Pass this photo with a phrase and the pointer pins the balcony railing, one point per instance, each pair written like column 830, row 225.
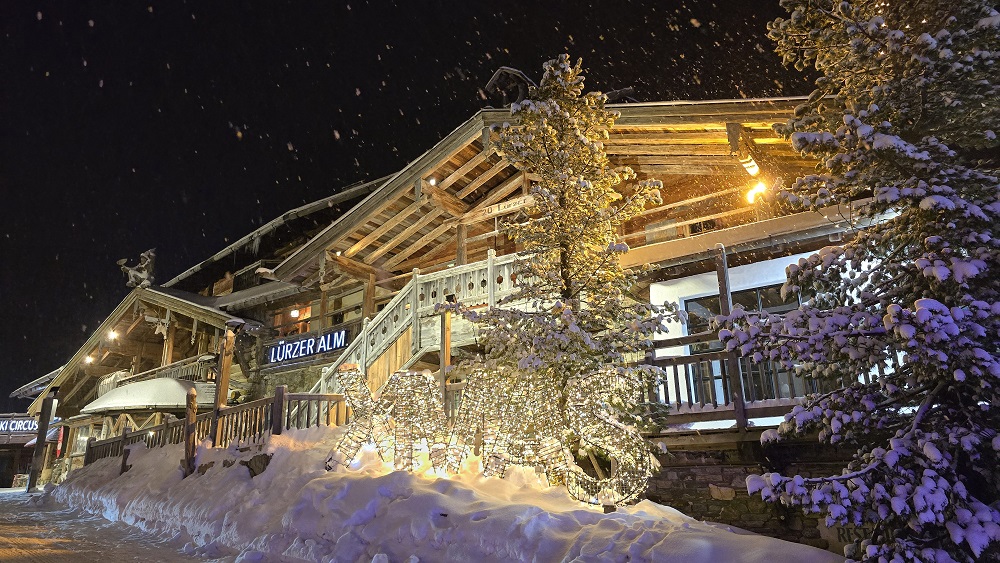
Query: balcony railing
column 195, row 368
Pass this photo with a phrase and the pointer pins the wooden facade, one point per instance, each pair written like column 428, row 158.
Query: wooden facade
column 327, row 271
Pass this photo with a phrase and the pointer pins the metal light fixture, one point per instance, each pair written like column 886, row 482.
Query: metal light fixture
column 756, row 191
column 750, row 165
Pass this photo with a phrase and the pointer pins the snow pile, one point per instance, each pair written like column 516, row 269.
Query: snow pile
column 296, row 510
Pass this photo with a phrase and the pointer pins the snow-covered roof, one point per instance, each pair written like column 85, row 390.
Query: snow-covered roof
column 152, row 395
column 33, row 388
column 253, row 239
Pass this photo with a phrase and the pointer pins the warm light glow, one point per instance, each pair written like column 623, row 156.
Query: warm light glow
column 757, row 190
column 432, row 181
column 294, row 313
column 112, row 335
column 88, row 360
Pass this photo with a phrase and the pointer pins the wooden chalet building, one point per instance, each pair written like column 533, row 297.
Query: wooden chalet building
column 355, row 277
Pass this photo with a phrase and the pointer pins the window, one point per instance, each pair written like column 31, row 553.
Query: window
column 701, row 310
column 294, row 320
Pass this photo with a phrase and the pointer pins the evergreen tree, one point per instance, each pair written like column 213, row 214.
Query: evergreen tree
column 562, row 343
column 903, row 123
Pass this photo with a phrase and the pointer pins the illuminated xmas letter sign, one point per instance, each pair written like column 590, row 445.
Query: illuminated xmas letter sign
column 286, row 350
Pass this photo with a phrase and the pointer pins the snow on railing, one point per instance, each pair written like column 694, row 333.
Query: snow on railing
column 195, row 368
column 241, row 424
column 473, row 285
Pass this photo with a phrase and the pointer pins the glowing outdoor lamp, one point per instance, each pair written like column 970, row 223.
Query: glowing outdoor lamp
column 750, row 165
column 112, row 335
column 757, row 190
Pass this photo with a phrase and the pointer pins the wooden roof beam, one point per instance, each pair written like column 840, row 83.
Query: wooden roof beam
column 453, row 205
column 403, row 236
column 355, row 269
column 464, row 169
column 386, row 226
column 422, row 242
column 482, row 179
column 511, row 185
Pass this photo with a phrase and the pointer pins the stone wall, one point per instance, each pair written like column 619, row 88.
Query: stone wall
column 708, row 482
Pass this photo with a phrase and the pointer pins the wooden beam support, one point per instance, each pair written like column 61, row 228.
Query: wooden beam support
column 498, row 193
column 461, row 254
column 368, row 306
column 358, row 270
column 225, row 367
column 168, row 344
column 138, row 319
column 453, row 205
column 465, row 169
column 386, row 226
column 403, row 236
column 422, row 242
column 482, row 179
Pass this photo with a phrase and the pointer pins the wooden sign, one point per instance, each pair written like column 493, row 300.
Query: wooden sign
column 498, row 209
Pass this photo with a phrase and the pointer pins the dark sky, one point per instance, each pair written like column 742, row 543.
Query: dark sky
column 121, row 122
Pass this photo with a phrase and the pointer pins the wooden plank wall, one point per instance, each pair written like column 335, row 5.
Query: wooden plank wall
column 390, row 361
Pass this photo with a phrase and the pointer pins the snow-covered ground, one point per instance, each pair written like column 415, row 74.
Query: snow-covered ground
column 47, row 531
column 295, row 510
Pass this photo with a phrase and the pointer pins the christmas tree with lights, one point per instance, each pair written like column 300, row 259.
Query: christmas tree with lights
column 558, row 375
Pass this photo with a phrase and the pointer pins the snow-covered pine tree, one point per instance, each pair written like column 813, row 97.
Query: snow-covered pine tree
column 903, row 122
column 567, row 335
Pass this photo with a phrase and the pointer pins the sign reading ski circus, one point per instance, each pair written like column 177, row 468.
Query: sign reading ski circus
column 286, row 350
column 18, row 426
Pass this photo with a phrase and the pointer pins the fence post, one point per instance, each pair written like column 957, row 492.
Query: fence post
column 415, row 311
column 732, row 360
column 124, row 466
column 190, row 436
column 364, row 345
column 491, row 278
column 278, row 410
column 88, row 452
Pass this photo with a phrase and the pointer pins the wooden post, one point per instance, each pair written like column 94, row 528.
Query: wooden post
column 88, row 452
column 445, row 355
column 415, row 311
column 368, row 308
column 168, row 342
column 38, row 458
column 125, row 444
column 222, row 381
column 323, row 310
column 278, row 410
column 491, row 278
column 190, row 436
column 733, row 371
column 461, row 254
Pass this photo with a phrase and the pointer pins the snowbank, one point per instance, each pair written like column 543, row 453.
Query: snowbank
column 295, row 510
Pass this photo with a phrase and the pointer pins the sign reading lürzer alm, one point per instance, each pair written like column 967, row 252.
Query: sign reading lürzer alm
column 285, row 350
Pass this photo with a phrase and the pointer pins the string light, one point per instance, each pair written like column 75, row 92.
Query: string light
column 511, row 418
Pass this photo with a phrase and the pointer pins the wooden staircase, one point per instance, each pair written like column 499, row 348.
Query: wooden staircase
column 407, row 332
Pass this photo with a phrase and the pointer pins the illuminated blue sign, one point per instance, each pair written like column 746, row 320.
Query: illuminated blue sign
column 286, row 350
column 18, row 426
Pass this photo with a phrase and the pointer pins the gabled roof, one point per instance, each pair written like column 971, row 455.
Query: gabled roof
column 31, row 389
column 187, row 304
column 461, row 185
column 278, row 233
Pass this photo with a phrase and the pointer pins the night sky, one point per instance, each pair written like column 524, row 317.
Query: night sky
column 185, row 125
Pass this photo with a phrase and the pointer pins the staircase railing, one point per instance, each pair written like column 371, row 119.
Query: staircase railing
column 473, row 285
